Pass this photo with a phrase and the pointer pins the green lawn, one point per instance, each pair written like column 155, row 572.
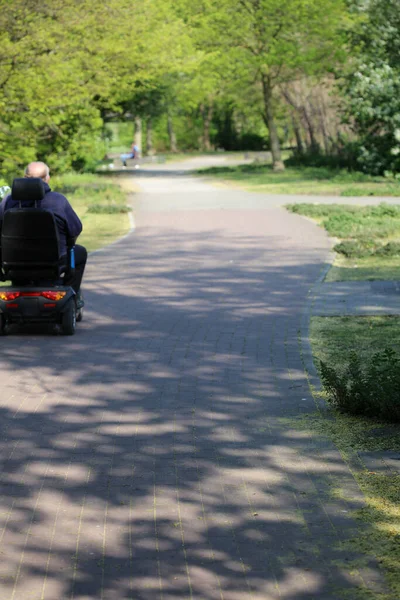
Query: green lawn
column 86, row 192
column 333, row 338
column 316, row 181
column 368, row 239
column 364, row 269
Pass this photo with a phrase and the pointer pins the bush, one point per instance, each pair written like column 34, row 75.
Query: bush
column 390, row 249
column 344, row 157
column 362, row 249
column 353, row 249
column 370, row 389
column 108, row 209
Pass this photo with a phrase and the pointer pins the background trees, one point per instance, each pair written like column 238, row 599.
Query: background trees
column 231, row 74
column 65, row 64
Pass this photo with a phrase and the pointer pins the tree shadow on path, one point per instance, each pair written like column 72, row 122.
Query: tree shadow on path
column 152, row 455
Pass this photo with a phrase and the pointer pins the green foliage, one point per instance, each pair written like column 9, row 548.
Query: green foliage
column 213, row 70
column 369, row 389
column 352, row 249
column 372, row 89
column 369, row 246
column 357, row 249
column 65, row 65
column 317, row 211
column 362, row 223
column 390, row 249
column 374, row 103
column 344, row 156
column 247, row 50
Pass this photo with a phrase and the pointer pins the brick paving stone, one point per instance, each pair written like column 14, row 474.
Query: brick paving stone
column 152, row 455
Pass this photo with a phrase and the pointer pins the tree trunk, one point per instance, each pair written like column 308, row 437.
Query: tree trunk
column 171, row 134
column 324, row 128
column 277, row 162
column 311, row 130
column 149, row 138
column 207, row 118
column 297, row 133
column 138, row 133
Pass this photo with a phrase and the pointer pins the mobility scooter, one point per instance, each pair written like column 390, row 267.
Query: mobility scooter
column 30, row 259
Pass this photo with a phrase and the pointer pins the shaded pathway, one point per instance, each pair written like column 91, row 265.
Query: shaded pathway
column 152, row 455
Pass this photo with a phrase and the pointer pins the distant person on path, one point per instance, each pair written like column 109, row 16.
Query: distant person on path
column 68, row 222
column 134, row 153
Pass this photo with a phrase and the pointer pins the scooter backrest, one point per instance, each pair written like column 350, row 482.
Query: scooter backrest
column 29, row 236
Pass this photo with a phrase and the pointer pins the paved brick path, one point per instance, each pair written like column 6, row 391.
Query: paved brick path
column 153, row 455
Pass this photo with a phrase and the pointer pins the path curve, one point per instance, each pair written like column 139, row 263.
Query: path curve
column 153, row 455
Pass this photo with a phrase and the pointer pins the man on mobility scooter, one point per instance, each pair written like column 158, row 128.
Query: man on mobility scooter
column 38, row 254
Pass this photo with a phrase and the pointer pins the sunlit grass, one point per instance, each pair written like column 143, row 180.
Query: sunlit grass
column 316, row 181
column 369, row 229
column 84, row 191
column 333, row 338
column 364, row 269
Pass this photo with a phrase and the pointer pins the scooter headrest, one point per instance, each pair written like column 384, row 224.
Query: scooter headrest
column 27, row 189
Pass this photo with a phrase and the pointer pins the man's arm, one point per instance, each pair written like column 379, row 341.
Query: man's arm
column 2, row 208
column 73, row 221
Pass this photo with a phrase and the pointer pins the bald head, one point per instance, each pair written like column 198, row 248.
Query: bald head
column 38, row 169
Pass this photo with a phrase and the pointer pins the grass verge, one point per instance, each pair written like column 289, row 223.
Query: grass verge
column 100, row 204
column 332, row 340
column 368, row 239
column 315, row 181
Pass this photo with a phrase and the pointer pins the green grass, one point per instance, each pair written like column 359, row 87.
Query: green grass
column 316, row 181
column 364, row 269
column 332, row 339
column 374, row 232
column 88, row 192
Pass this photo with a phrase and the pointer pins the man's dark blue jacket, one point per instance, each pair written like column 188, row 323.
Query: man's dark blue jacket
column 68, row 222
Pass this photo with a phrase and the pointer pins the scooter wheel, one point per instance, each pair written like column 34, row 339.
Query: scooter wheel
column 3, row 325
column 68, row 322
column 79, row 315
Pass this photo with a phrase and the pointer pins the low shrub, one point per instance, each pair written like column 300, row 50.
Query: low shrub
column 108, row 209
column 369, row 389
column 341, row 158
column 362, row 249
column 353, row 249
column 389, row 249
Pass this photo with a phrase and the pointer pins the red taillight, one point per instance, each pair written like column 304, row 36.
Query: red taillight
column 12, row 305
column 48, row 294
column 49, row 304
column 7, row 296
column 53, row 295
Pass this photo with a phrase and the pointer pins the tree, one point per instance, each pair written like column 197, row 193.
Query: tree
column 268, row 42
column 64, row 63
column 372, row 88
